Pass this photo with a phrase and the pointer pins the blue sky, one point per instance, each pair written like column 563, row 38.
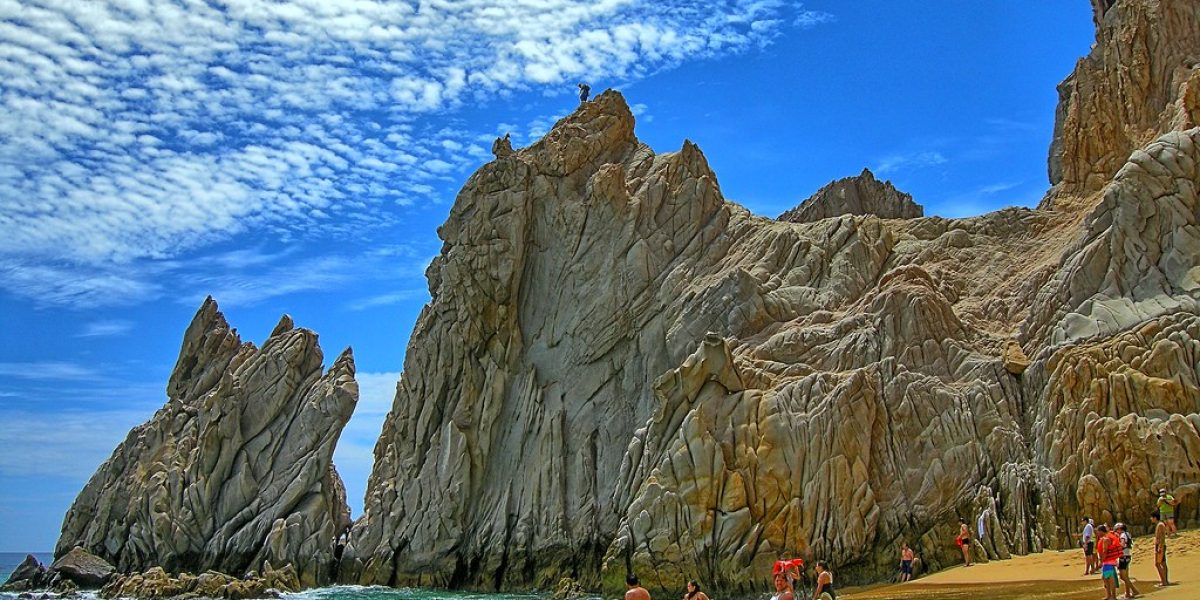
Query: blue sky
column 298, row 157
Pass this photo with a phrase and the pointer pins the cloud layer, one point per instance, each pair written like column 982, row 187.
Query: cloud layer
column 137, row 130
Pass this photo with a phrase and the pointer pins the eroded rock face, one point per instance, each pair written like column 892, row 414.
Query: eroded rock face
column 1141, row 79
column 859, row 195
column 235, row 471
column 621, row 371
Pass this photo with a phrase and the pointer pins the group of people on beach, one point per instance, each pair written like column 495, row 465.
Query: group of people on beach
column 785, row 574
column 1108, row 551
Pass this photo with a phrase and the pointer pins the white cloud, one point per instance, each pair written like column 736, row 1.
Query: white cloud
column 388, row 299
column 901, row 162
column 48, row 371
column 134, row 131
column 811, row 18
column 106, row 328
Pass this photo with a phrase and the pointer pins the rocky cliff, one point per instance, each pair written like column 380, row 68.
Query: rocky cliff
column 858, row 195
column 1140, row 80
column 236, row 470
column 622, row 371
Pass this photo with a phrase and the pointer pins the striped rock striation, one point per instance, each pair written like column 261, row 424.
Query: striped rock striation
column 235, row 472
column 620, row 370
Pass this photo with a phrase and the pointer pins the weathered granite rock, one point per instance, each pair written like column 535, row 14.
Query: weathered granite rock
column 621, row 371
column 28, row 575
column 236, row 470
column 859, row 195
column 156, row 583
column 82, row 568
column 1140, row 80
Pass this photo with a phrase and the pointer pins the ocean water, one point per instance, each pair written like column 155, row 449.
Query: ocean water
column 10, row 560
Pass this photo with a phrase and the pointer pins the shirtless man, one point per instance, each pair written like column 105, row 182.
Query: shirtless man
column 1160, row 548
column 635, row 591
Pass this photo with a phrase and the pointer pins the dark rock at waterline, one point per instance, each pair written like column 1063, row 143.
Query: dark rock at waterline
column 82, row 568
column 28, row 575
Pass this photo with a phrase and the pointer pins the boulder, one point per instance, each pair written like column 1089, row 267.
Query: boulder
column 28, row 575
column 82, row 568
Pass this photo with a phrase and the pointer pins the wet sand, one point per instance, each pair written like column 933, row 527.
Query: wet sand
column 1056, row 575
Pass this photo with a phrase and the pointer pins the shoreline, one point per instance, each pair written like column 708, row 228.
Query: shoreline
column 1056, row 572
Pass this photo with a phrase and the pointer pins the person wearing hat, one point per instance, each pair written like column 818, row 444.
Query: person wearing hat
column 1131, row 590
column 1166, row 509
column 1088, row 541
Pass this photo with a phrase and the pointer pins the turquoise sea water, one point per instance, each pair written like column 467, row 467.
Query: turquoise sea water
column 10, row 560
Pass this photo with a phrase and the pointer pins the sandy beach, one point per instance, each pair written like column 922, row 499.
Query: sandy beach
column 1052, row 575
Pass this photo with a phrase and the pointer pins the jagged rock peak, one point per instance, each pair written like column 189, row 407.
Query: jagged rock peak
column 236, row 470
column 1141, row 79
column 862, row 194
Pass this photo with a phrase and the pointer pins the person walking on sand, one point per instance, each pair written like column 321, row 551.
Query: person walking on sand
column 1088, row 541
column 1108, row 550
column 906, row 562
column 1166, row 508
column 635, row 591
column 824, row 589
column 1131, row 590
column 693, row 591
column 964, row 541
column 783, row 587
column 1160, row 548
column 584, row 90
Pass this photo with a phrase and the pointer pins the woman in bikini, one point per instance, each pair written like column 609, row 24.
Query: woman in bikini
column 964, row 541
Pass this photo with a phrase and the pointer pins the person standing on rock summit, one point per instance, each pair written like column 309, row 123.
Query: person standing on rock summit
column 635, row 591
column 584, row 90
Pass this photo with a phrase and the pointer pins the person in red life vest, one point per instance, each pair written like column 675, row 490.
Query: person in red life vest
column 1109, row 551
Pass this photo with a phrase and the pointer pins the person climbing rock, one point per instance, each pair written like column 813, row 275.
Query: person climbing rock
column 584, row 90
